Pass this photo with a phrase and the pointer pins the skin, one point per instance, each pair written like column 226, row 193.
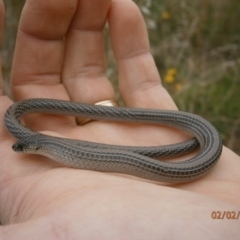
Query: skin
column 40, row 199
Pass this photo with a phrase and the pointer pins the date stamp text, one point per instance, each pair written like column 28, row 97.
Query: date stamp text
column 225, row 215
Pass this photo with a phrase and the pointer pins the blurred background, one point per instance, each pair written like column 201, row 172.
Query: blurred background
column 196, row 46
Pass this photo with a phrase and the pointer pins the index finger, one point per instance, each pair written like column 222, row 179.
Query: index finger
column 36, row 70
column 39, row 48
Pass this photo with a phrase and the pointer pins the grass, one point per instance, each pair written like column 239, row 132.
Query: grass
column 196, row 46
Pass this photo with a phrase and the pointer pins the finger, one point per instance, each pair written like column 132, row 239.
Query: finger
column 2, row 14
column 84, row 62
column 38, row 55
column 139, row 81
column 4, row 101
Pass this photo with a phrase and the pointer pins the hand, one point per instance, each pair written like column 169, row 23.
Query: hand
column 60, row 54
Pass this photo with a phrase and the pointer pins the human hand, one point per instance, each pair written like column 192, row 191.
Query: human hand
column 46, row 200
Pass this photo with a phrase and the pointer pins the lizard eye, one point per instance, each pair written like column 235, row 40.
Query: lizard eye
column 17, row 147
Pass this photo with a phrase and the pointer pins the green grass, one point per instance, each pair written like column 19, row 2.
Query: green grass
column 200, row 42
